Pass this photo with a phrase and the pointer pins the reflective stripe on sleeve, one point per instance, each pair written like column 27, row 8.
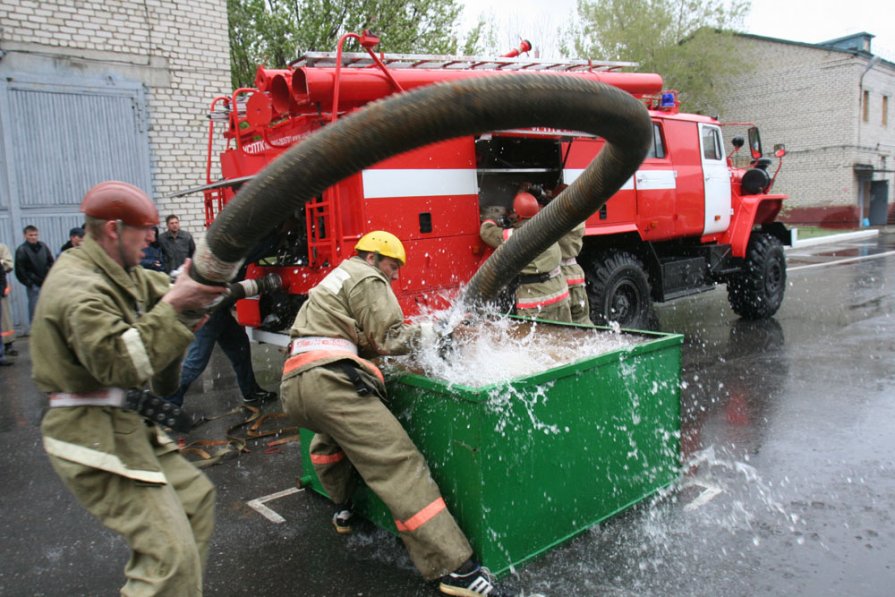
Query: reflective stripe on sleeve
column 137, row 351
column 575, row 281
column 334, row 280
column 327, row 458
column 100, row 460
column 421, row 517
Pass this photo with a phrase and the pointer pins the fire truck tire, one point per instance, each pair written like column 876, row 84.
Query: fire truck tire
column 618, row 290
column 757, row 291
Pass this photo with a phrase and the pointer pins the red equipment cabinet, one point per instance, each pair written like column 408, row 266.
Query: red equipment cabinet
column 686, row 221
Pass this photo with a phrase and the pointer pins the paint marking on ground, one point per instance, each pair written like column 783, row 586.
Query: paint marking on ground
column 711, row 491
column 842, row 261
column 258, row 504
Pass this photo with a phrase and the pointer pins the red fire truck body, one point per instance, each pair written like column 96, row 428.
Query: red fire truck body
column 687, row 220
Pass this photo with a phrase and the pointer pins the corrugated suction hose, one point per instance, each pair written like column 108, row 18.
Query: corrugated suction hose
column 436, row 113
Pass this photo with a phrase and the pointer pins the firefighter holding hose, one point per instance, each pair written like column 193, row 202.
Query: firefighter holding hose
column 541, row 291
column 103, row 329
column 331, row 388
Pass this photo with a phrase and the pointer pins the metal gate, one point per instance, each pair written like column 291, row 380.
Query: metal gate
column 56, row 141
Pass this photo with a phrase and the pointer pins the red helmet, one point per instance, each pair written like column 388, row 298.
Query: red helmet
column 116, row 200
column 525, row 205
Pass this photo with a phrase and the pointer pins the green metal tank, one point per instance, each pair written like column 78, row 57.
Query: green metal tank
column 528, row 464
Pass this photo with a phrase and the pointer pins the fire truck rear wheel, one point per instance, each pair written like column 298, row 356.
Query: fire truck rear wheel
column 757, row 291
column 618, row 290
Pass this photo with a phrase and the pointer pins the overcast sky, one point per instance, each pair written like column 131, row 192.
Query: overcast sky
column 809, row 21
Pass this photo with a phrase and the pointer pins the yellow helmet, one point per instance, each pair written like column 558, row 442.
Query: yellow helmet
column 384, row 243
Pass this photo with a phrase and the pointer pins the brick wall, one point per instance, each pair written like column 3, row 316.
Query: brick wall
column 810, row 99
column 178, row 49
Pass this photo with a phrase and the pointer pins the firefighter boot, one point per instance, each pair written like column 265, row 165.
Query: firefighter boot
column 471, row 580
column 342, row 518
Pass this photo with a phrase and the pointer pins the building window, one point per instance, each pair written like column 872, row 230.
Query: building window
column 885, row 110
column 866, row 106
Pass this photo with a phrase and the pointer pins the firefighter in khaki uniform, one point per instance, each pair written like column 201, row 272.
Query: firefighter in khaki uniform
column 570, row 246
column 330, row 388
column 542, row 291
column 103, row 326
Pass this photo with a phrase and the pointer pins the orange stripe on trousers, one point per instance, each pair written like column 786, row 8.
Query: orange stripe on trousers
column 535, row 304
column 327, row 458
column 421, row 517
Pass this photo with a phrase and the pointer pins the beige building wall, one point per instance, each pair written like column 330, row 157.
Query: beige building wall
column 810, row 98
column 178, row 50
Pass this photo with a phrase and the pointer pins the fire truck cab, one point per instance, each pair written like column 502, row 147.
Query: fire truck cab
column 687, row 220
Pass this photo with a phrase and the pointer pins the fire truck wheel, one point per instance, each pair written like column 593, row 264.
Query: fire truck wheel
column 618, row 290
column 757, row 291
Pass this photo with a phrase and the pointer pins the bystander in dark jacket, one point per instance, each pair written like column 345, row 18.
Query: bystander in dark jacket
column 153, row 256
column 33, row 262
column 75, row 238
column 177, row 244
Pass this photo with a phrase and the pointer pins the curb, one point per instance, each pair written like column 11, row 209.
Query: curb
column 832, row 238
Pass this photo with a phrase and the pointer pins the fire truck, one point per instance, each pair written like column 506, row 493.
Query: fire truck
column 694, row 215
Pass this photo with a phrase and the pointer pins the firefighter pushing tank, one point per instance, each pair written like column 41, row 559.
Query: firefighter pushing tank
column 541, row 291
column 104, row 328
column 331, row 388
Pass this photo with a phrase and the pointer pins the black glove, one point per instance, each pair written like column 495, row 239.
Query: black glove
column 159, row 411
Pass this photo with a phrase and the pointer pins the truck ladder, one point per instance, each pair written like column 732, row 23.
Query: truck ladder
column 423, row 61
column 323, row 229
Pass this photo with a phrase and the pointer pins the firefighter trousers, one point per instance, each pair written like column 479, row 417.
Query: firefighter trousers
column 167, row 526
column 579, row 305
column 544, row 300
column 357, row 434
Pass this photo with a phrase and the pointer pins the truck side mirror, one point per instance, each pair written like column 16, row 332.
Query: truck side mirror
column 738, row 141
column 754, row 143
column 779, row 150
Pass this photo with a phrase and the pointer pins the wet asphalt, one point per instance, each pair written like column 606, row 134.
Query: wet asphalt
column 788, row 487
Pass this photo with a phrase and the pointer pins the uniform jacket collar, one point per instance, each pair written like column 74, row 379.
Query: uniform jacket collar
column 360, row 260
column 118, row 274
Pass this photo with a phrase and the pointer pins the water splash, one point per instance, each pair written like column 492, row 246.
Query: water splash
column 493, row 349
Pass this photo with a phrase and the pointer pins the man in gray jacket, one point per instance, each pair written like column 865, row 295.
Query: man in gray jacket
column 177, row 244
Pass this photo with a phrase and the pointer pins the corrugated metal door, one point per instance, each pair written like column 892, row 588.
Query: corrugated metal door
column 57, row 141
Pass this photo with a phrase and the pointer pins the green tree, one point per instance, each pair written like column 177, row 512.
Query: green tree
column 274, row 32
column 689, row 42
